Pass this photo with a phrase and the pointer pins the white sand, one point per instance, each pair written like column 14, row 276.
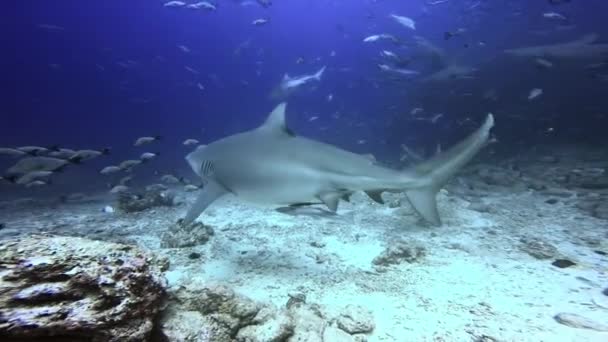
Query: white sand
column 474, row 281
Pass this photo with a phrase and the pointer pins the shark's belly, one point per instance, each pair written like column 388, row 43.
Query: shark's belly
column 285, row 185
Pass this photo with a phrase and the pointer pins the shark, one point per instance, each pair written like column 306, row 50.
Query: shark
column 270, row 164
column 583, row 48
column 450, row 72
column 288, row 83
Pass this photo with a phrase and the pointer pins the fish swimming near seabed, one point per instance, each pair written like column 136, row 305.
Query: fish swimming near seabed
column 31, row 164
column 270, row 164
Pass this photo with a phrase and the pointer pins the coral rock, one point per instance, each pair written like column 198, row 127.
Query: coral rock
column 270, row 326
column 400, row 251
column 185, row 326
column 181, row 235
column 355, row 319
column 538, row 249
column 224, row 312
column 78, row 289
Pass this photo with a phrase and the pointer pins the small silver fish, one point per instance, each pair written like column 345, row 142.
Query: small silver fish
column 534, row 93
column 118, row 189
column 30, row 164
column 62, row 153
column 83, row 155
column 189, row 142
column 404, row 21
column 543, row 63
column 204, row 5
column 170, row 179
column 554, row 15
column 146, row 140
column 156, row 187
column 174, row 4
column 259, row 22
column 110, row 169
column 125, row 180
column 377, row 37
column 11, row 152
column 33, row 150
column 191, row 187
column 128, row 164
column 388, row 54
column 35, row 184
column 148, row 155
column 33, row 176
column 184, row 48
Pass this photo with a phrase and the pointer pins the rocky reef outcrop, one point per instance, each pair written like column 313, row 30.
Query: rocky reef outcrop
column 76, row 289
column 217, row 313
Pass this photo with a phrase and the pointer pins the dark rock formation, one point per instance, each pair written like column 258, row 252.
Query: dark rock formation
column 563, row 263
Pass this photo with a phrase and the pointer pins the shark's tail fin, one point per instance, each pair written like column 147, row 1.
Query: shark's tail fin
column 319, row 73
column 438, row 170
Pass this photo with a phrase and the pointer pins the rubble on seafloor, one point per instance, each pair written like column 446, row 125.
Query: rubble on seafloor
column 400, row 251
column 217, row 313
column 180, row 235
column 77, row 289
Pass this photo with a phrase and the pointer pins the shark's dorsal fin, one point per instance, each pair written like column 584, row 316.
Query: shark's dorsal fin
column 276, row 121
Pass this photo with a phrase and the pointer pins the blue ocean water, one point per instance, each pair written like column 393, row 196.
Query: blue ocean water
column 104, row 73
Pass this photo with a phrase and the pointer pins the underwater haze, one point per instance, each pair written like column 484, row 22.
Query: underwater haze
column 304, row 170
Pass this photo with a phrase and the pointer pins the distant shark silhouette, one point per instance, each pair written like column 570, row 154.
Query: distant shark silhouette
column 271, row 165
column 450, row 72
column 583, row 48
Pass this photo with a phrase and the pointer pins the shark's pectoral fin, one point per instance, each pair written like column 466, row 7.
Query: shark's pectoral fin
column 423, row 201
column 208, row 195
column 375, row 195
column 331, row 200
